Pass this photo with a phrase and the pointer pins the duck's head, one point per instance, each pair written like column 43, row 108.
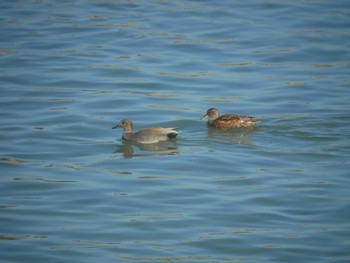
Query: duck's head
column 124, row 124
column 212, row 114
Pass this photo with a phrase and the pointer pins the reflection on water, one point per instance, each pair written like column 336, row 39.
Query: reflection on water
column 237, row 135
column 161, row 149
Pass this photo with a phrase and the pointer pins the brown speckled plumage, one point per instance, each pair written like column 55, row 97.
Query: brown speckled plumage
column 228, row 121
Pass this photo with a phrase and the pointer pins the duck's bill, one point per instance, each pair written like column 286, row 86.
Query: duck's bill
column 204, row 116
column 117, row 126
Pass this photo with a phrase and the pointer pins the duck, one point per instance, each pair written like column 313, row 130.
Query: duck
column 227, row 121
column 146, row 135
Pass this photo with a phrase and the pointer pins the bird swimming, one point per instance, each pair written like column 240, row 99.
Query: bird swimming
column 227, row 121
column 146, row 135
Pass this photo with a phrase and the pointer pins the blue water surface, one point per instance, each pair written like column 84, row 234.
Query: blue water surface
column 72, row 191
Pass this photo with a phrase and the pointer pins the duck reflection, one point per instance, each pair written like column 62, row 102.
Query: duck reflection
column 157, row 149
column 237, row 135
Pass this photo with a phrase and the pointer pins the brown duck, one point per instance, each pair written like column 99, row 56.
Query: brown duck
column 228, row 121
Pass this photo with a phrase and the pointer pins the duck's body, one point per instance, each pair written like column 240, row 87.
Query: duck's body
column 147, row 135
column 228, row 121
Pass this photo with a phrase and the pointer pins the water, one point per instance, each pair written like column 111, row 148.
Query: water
column 71, row 190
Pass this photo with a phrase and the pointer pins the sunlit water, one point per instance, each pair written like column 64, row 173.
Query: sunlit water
column 73, row 191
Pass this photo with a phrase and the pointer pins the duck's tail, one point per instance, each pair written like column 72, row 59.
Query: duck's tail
column 172, row 132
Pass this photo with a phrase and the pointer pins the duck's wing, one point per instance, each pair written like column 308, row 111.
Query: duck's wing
column 154, row 134
column 247, row 119
column 158, row 130
column 236, row 118
column 233, row 121
column 229, row 117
